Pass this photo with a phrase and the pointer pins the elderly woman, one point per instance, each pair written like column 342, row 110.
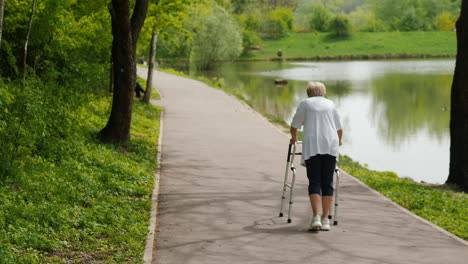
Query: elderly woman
column 321, row 137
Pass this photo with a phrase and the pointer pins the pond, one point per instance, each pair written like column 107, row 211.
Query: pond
column 395, row 113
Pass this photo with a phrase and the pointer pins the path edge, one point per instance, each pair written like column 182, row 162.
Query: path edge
column 150, row 248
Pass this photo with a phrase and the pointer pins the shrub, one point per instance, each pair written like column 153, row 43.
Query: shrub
column 340, row 26
column 444, row 22
column 320, row 19
column 277, row 23
column 250, row 39
column 273, row 28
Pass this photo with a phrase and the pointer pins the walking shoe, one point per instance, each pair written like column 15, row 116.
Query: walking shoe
column 315, row 225
column 325, row 224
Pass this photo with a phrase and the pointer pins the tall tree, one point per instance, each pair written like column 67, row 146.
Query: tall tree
column 33, row 9
column 163, row 16
column 458, row 172
column 1, row 20
column 125, row 32
column 208, row 47
column 149, row 80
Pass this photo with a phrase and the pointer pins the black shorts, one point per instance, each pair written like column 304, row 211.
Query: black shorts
column 320, row 170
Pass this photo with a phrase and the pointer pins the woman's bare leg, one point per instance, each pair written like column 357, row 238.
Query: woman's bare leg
column 326, row 204
column 315, row 201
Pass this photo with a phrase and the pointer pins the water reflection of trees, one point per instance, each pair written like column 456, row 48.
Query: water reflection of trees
column 404, row 104
column 278, row 100
column 274, row 99
column 282, row 100
column 338, row 89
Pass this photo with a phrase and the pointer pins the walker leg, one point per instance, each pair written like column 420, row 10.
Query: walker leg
column 335, row 217
column 291, row 193
column 283, row 196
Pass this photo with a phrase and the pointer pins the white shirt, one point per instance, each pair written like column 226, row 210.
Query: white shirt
column 321, row 123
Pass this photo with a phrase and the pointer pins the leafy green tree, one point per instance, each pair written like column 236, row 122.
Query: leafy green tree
column 409, row 21
column 62, row 40
column 219, row 38
column 411, row 14
column 250, row 25
column 277, row 23
column 273, row 28
column 341, row 26
column 243, row 6
column 285, row 14
column 320, row 19
column 365, row 20
column 164, row 17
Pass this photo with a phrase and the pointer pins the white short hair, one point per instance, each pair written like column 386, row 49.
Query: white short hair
column 316, row 89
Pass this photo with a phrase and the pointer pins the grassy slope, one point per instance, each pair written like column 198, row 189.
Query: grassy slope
column 92, row 206
column 445, row 208
column 361, row 44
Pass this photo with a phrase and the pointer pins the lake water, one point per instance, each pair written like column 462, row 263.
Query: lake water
column 395, row 113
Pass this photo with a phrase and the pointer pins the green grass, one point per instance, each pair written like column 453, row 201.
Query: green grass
column 445, row 208
column 89, row 205
column 362, row 45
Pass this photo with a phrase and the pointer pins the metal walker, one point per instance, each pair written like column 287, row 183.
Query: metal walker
column 290, row 166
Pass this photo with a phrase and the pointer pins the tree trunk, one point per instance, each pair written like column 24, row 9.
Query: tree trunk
column 125, row 32
column 28, row 35
column 458, row 172
column 149, row 81
column 111, row 81
column 1, row 20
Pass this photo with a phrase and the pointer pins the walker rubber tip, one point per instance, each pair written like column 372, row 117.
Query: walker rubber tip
column 335, row 223
column 289, row 221
column 281, row 215
column 329, row 217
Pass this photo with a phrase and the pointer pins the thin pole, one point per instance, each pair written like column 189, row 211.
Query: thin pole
column 1, row 20
column 28, row 35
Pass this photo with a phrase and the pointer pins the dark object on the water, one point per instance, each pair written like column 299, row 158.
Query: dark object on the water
column 280, row 53
column 138, row 90
column 281, row 81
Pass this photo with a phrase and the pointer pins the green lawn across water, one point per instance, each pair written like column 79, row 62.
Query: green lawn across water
column 362, row 45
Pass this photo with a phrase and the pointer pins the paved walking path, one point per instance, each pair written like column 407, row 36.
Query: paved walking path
column 221, row 177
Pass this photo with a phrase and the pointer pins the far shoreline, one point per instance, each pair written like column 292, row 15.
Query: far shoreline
column 319, row 58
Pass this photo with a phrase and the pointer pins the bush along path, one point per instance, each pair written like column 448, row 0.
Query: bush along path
column 222, row 168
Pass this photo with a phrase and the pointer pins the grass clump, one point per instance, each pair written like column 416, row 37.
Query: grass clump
column 66, row 197
column 445, row 208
